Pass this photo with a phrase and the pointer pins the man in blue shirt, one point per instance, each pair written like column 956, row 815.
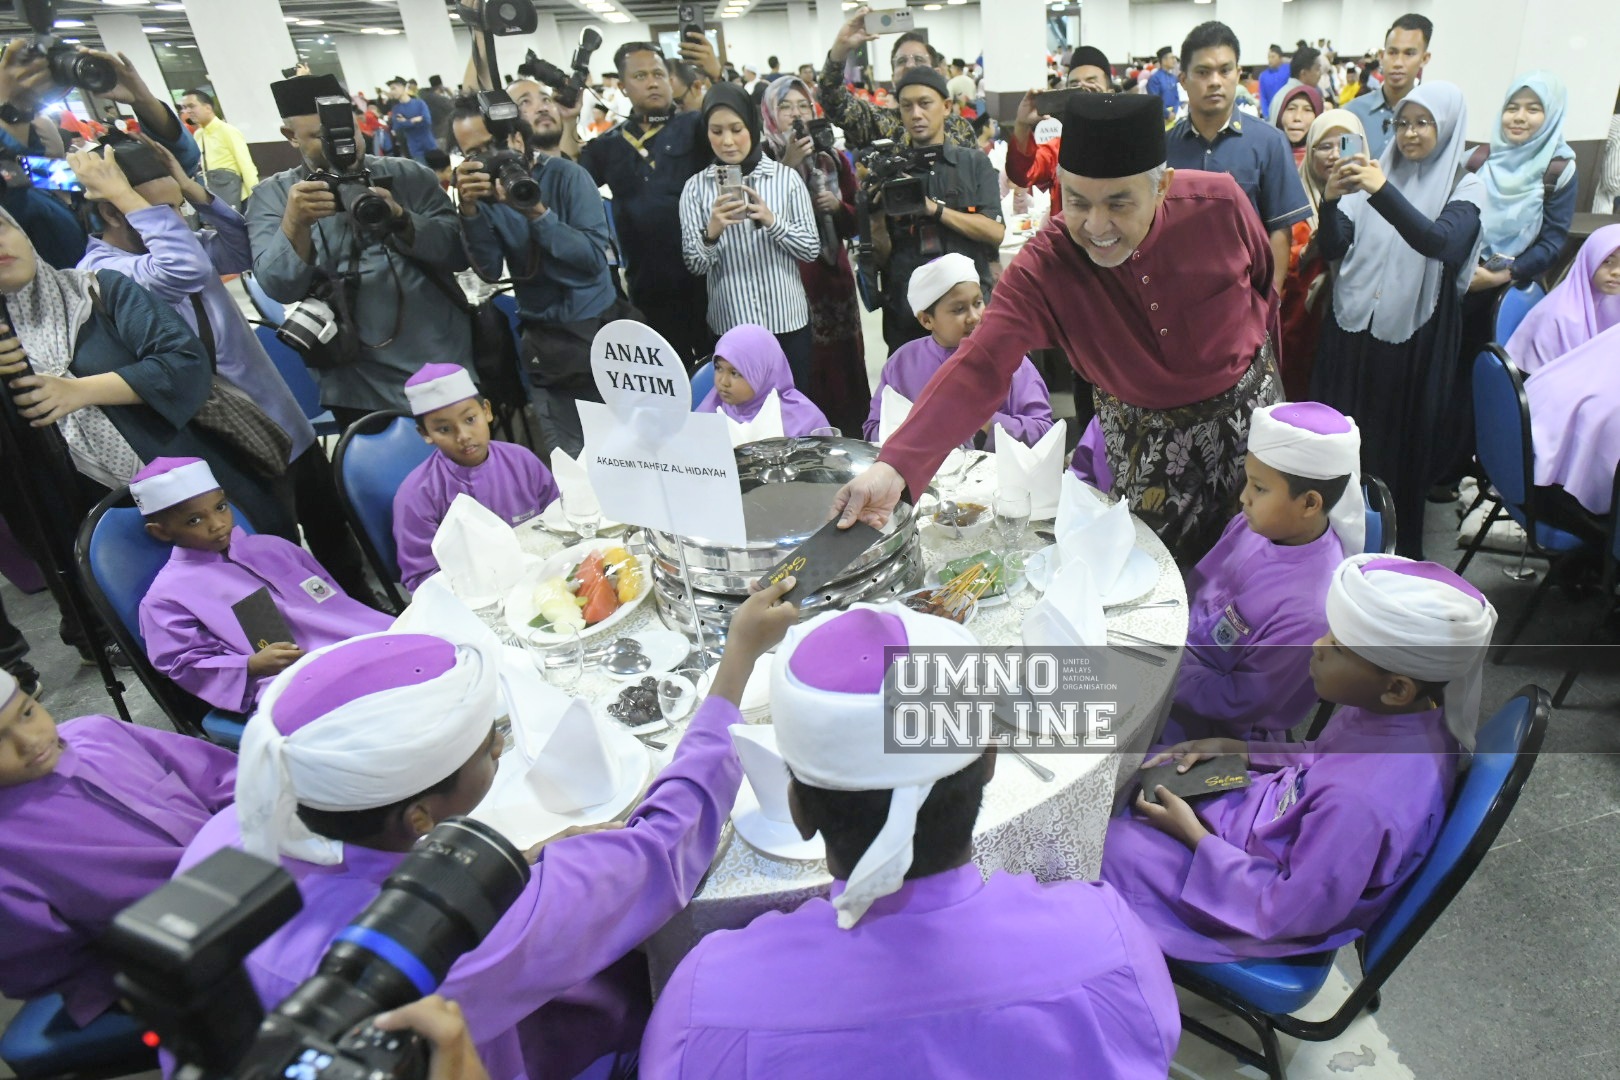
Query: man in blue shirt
column 556, row 254
column 411, row 120
column 1405, row 55
column 1164, row 82
column 1272, row 79
column 1214, row 138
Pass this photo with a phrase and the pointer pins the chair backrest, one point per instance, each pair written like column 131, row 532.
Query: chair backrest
column 372, row 460
column 1504, row 753
column 702, row 382
column 271, row 311
column 1502, row 425
column 507, row 303
column 290, row 366
column 1380, row 515
column 1512, row 306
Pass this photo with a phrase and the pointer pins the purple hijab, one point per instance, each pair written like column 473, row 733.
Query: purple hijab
column 1575, row 418
column 1572, row 314
column 758, row 357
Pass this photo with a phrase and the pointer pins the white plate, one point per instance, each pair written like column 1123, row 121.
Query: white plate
column 933, row 581
column 775, row 838
column 519, row 607
column 1137, row 579
column 552, row 519
column 512, row 809
column 665, row 648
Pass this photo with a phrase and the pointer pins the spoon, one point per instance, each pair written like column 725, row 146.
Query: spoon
column 626, row 658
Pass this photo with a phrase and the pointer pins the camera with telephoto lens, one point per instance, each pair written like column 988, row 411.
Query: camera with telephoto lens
column 345, row 173
column 69, row 66
column 820, row 132
column 179, row 956
column 566, row 86
column 899, row 173
column 500, row 115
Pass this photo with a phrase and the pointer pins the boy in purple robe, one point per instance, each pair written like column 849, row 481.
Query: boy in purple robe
column 916, row 965
column 505, row 477
column 193, row 634
column 748, row 364
column 948, row 300
column 337, row 789
column 1255, row 600
column 1310, row 854
column 93, row 816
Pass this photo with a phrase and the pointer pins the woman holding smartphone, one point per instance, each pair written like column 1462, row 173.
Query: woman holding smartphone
column 1407, row 230
column 746, row 224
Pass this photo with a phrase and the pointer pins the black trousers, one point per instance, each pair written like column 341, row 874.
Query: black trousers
column 315, row 494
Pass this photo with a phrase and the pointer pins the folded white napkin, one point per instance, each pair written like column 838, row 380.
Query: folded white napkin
column 570, row 767
column 1071, row 612
column 1091, row 532
column 476, row 550
column 893, row 408
column 763, row 765
column 574, row 486
column 766, row 424
column 1037, row 469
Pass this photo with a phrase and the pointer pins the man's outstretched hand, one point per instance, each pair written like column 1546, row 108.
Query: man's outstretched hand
column 870, row 497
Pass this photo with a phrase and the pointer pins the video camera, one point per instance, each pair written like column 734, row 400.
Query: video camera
column 345, row 173
column 180, row 953
column 565, row 87
column 500, row 115
column 898, row 173
column 69, row 65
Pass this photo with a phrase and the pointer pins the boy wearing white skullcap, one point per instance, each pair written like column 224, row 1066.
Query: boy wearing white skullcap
column 1310, row 855
column 360, row 749
column 948, row 301
column 915, row 958
column 1255, row 601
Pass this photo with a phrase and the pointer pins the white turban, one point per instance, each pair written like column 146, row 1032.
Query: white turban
column 356, row 726
column 1416, row 619
column 8, row 687
column 1319, row 443
column 933, row 280
column 827, row 704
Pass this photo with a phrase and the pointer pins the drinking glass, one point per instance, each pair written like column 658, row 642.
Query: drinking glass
column 583, row 519
column 560, row 657
column 826, row 432
column 1012, row 510
column 672, row 698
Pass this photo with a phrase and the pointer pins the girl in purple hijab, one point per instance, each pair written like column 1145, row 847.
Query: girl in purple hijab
column 1584, row 305
column 748, row 364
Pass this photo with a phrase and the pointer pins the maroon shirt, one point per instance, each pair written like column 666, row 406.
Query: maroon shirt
column 1179, row 322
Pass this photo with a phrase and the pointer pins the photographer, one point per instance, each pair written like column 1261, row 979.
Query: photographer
column 863, row 122
column 961, row 207
column 394, row 282
column 554, row 249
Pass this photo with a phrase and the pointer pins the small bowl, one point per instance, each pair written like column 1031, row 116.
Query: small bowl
column 971, row 531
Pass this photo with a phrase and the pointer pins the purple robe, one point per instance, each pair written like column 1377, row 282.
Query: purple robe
column 952, row 976
column 1090, row 461
column 195, row 639
column 758, row 358
column 1255, row 608
column 512, row 482
column 1575, row 420
column 1572, row 314
column 1306, row 858
column 589, row 901
column 1026, row 414
column 80, row 845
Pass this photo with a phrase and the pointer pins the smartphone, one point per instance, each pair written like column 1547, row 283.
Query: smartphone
column 689, row 17
column 1351, row 145
column 1053, row 102
column 51, row 174
column 731, row 184
column 1497, row 263
column 895, row 21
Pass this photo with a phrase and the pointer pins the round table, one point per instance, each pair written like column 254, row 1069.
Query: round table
column 1053, row 830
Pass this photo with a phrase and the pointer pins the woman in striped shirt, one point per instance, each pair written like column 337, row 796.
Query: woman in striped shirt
column 748, row 244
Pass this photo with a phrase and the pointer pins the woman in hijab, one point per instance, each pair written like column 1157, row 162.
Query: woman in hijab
column 1297, row 105
column 116, row 370
column 1309, row 282
column 1585, row 304
column 748, row 239
column 1575, row 428
column 748, row 365
column 837, row 380
column 1407, row 230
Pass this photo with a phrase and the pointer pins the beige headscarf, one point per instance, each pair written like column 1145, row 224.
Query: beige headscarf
column 1342, row 121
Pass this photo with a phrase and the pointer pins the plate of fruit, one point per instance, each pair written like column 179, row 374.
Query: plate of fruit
column 590, row 588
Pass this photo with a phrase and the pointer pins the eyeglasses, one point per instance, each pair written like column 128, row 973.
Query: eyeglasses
column 912, row 61
column 1403, row 126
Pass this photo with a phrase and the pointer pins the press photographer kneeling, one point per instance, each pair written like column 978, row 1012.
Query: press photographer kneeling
column 959, row 209
column 542, row 218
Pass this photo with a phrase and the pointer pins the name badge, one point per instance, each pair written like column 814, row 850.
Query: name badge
column 1231, row 628
column 1290, row 796
column 525, row 516
column 318, row 590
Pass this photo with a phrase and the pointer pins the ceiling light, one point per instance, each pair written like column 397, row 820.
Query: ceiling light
column 170, row 7
column 126, row 3
column 68, row 23
column 953, row 3
column 616, row 17
column 311, row 22
column 932, row 7
column 70, row 41
column 153, row 30
column 289, row 18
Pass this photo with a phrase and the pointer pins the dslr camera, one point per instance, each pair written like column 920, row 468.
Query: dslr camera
column 500, row 115
column 898, row 173
column 566, row 86
column 819, row 131
column 68, row 65
column 179, row 956
column 345, row 173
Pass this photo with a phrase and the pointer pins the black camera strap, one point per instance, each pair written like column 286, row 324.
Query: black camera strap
column 205, row 330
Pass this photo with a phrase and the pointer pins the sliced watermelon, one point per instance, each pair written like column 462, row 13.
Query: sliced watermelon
column 591, row 570
column 601, row 600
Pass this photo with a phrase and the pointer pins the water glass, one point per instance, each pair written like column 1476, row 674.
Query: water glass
column 1012, row 510
column 583, row 519
column 672, row 698
column 560, row 657
column 826, row 432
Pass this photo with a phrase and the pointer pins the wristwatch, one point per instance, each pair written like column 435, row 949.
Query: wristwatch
column 939, row 211
column 13, row 115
